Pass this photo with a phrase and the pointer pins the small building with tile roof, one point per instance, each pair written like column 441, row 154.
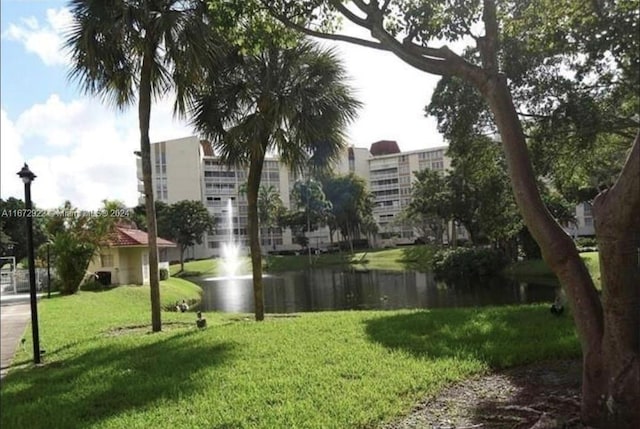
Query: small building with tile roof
column 125, row 257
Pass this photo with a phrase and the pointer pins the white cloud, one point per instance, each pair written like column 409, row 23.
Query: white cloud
column 83, row 152
column 10, row 158
column 58, row 123
column 44, row 40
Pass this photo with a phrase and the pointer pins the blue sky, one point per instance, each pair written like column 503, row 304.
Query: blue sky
column 82, row 151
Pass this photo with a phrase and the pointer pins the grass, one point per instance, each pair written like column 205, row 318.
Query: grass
column 196, row 268
column 537, row 270
column 399, row 259
column 103, row 369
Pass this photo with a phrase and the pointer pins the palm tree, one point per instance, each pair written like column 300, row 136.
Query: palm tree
column 291, row 101
column 270, row 208
column 128, row 50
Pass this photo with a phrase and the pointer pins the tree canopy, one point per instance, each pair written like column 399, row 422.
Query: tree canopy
column 187, row 222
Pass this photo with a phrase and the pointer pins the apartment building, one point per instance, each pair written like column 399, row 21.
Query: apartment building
column 187, row 169
column 390, row 180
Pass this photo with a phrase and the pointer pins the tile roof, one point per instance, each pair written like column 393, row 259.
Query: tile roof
column 384, row 147
column 207, row 149
column 134, row 237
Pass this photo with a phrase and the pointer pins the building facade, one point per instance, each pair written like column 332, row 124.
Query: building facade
column 390, row 180
column 187, row 169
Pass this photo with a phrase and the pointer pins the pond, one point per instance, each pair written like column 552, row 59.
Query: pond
column 340, row 289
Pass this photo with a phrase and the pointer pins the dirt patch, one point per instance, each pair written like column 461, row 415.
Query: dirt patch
column 544, row 395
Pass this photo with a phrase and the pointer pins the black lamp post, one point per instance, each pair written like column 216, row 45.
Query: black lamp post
column 27, row 177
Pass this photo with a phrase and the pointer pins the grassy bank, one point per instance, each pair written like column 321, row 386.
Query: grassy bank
column 537, row 269
column 403, row 258
column 319, row 370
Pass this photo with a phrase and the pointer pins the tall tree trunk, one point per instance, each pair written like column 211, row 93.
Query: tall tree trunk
column 182, row 257
column 617, row 224
column 610, row 363
column 144, row 117
column 253, row 186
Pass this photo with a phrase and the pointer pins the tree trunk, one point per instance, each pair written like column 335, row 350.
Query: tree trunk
column 253, row 186
column 181, row 257
column 144, row 117
column 617, row 224
column 610, row 392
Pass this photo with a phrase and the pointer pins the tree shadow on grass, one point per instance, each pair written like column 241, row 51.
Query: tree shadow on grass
column 498, row 336
column 107, row 381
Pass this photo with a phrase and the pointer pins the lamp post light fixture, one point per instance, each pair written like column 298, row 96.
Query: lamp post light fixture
column 27, row 177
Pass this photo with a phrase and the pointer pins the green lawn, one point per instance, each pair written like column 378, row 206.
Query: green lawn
column 103, row 369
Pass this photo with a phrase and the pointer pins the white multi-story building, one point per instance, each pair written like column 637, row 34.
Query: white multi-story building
column 187, row 169
column 390, row 180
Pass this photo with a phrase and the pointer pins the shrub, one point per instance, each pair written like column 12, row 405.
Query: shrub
column 91, row 284
column 452, row 265
column 586, row 242
column 164, row 274
column 72, row 259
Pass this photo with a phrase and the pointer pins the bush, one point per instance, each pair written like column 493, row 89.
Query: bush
column 91, row 284
column 452, row 265
column 586, row 242
column 56, row 284
column 164, row 274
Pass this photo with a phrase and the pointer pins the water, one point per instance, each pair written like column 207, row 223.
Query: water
column 340, row 289
column 344, row 289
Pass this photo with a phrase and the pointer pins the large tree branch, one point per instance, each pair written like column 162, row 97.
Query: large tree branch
column 623, row 195
column 439, row 61
column 322, row 35
column 558, row 249
column 488, row 44
column 362, row 22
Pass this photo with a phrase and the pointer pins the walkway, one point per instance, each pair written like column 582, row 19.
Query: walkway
column 15, row 312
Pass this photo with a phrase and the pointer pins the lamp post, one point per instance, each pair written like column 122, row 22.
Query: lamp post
column 27, row 177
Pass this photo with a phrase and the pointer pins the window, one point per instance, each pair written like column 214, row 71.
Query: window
column 106, row 260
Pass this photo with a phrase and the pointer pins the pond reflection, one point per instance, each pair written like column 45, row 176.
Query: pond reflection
column 335, row 289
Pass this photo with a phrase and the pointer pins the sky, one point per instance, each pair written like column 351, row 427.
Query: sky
column 82, row 151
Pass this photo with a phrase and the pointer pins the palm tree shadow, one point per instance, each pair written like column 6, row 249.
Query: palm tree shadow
column 118, row 379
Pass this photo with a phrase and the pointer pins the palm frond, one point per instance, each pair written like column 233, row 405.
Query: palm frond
column 295, row 99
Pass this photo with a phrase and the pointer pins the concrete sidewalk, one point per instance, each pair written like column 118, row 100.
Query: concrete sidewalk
column 15, row 315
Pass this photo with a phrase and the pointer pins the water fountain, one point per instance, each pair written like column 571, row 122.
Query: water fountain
column 230, row 289
column 230, row 249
